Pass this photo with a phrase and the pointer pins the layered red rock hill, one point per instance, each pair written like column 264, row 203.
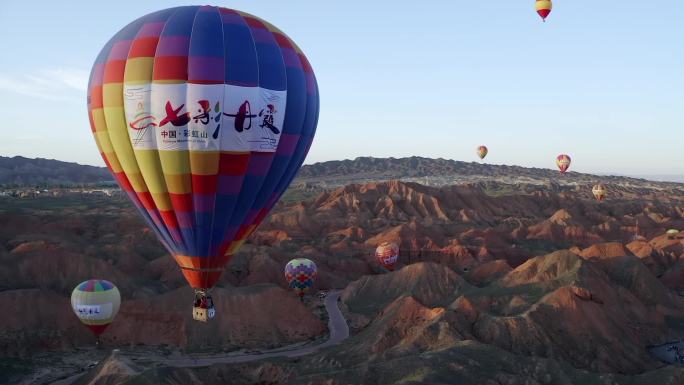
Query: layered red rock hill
column 558, row 318
column 465, row 221
column 465, row 362
column 258, row 316
column 597, row 314
column 479, row 231
column 46, row 254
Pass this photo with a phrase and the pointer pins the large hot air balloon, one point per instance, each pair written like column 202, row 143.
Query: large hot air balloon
column 387, row 254
column 96, row 302
column 543, row 8
column 203, row 115
column 599, row 192
column 563, row 163
column 300, row 274
column 482, row 152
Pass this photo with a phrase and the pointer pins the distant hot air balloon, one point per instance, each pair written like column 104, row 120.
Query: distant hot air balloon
column 96, row 302
column 387, row 254
column 563, row 163
column 599, row 192
column 203, row 115
column 482, row 152
column 543, row 8
column 672, row 233
column 300, row 274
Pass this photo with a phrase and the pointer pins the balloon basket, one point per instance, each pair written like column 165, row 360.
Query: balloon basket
column 203, row 308
column 199, row 314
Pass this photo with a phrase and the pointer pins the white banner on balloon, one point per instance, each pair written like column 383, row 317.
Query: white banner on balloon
column 239, row 120
column 171, row 115
column 253, row 119
column 205, row 106
column 271, row 117
column 204, row 117
column 94, row 312
column 139, row 119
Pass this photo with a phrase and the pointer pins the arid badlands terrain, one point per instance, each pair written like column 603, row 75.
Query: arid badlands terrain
column 507, row 276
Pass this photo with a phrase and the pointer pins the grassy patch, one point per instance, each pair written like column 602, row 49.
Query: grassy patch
column 61, row 203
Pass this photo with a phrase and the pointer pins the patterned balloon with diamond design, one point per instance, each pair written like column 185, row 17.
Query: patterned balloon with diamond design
column 300, row 274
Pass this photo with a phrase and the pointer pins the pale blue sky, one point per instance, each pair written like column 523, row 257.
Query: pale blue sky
column 601, row 81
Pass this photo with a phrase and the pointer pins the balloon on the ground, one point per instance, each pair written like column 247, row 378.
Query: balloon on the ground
column 96, row 302
column 482, row 152
column 300, row 274
column 387, row 254
column 543, row 8
column 203, row 115
column 563, row 162
column 599, row 192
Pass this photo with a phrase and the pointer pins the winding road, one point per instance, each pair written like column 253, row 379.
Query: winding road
column 339, row 331
column 337, row 325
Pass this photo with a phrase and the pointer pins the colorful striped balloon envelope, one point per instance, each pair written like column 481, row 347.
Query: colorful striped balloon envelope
column 96, row 302
column 563, row 162
column 300, row 274
column 482, row 151
column 543, row 8
column 203, row 115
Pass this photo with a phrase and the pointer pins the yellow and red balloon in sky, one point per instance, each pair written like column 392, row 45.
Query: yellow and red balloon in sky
column 543, row 8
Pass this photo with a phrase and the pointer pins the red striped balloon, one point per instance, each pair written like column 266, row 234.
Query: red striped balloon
column 387, row 254
column 563, row 163
column 203, row 115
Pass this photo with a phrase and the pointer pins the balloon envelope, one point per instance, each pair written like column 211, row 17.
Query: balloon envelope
column 203, row 115
column 482, row 152
column 96, row 302
column 300, row 274
column 563, row 162
column 387, row 254
column 599, row 192
column 543, row 8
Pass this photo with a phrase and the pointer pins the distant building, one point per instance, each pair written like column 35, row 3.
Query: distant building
column 104, row 192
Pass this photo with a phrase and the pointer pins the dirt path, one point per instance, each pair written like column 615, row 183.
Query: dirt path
column 339, row 331
column 337, row 325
